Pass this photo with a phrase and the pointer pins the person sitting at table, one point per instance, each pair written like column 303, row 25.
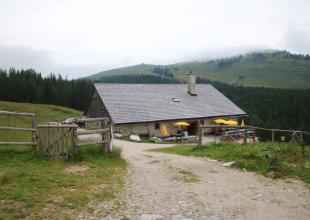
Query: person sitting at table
column 184, row 134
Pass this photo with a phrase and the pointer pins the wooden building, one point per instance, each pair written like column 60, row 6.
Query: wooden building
column 144, row 108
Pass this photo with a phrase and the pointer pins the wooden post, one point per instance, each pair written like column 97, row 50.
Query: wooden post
column 104, row 136
column 111, row 137
column 53, row 143
column 245, row 138
column 254, row 137
column 74, row 140
column 272, row 136
column 40, row 138
column 200, row 134
column 34, row 135
column 44, row 141
column 302, row 143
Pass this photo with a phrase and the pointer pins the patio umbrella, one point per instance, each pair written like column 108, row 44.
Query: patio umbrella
column 220, row 121
column 231, row 122
column 181, row 123
column 164, row 130
column 242, row 123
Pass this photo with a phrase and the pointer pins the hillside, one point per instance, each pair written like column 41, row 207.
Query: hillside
column 44, row 113
column 278, row 69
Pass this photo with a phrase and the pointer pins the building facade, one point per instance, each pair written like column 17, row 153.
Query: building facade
column 144, row 108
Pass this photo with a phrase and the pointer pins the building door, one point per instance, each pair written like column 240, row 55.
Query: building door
column 192, row 129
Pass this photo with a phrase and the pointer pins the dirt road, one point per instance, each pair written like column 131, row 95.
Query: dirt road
column 163, row 186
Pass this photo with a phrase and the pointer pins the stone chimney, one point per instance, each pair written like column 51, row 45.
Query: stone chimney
column 191, row 82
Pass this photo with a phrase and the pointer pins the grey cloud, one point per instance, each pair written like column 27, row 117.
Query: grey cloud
column 26, row 57
column 297, row 38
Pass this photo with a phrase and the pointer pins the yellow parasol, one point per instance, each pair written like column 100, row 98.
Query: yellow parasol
column 220, row 121
column 231, row 122
column 242, row 123
column 164, row 130
column 181, row 123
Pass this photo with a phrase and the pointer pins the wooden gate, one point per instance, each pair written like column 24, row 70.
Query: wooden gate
column 62, row 140
column 57, row 140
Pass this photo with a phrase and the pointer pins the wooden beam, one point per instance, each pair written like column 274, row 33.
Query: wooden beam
column 91, row 143
column 58, row 126
column 17, row 113
column 17, row 129
column 97, row 131
column 91, row 119
column 19, row 143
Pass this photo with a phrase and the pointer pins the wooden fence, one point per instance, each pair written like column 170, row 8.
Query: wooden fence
column 62, row 140
column 32, row 129
column 245, row 132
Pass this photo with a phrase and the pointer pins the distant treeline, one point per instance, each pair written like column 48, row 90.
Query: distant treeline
column 164, row 71
column 29, row 86
column 142, row 78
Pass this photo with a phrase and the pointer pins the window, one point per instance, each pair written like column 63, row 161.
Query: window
column 157, row 126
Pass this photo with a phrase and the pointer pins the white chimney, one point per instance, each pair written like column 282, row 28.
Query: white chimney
column 191, row 82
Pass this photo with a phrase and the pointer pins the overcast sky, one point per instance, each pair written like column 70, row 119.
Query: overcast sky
column 79, row 38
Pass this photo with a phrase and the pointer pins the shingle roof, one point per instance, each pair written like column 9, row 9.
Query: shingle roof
column 128, row 103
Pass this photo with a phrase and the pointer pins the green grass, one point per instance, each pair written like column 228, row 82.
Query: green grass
column 44, row 113
column 277, row 161
column 34, row 187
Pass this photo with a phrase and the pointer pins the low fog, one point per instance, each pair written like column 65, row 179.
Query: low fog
column 79, row 38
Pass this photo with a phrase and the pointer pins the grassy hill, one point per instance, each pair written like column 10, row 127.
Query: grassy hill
column 44, row 113
column 279, row 69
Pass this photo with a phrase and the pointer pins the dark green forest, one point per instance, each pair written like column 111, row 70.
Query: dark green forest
column 267, row 107
column 30, row 86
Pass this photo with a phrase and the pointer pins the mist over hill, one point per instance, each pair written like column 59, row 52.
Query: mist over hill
column 277, row 69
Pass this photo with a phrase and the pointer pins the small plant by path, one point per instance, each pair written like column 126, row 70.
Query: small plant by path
column 276, row 161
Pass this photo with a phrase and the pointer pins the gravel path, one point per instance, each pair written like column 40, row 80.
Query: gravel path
column 163, row 186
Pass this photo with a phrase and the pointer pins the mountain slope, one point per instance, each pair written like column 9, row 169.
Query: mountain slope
column 269, row 69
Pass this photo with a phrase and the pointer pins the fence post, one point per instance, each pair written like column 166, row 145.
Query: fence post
column 34, row 135
column 200, row 133
column 272, row 136
column 245, row 138
column 302, row 142
column 110, row 141
column 74, row 140
column 40, row 139
column 254, row 137
column 104, row 136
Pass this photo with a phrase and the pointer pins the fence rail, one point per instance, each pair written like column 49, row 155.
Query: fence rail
column 83, row 120
column 19, row 143
column 17, row 113
column 32, row 129
column 97, row 131
column 17, row 129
